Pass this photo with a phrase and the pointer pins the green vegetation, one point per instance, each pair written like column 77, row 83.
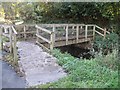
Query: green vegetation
column 108, row 44
column 100, row 72
column 103, row 14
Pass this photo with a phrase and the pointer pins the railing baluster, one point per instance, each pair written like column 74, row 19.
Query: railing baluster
column 67, row 35
column 14, row 47
column 104, row 33
column 24, row 32
column 86, row 29
column 54, row 34
column 37, row 33
column 52, row 41
column 77, row 33
column 94, row 32
column 11, row 48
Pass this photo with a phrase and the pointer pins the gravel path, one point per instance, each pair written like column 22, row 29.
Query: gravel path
column 39, row 66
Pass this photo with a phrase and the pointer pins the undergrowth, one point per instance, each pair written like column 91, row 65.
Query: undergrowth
column 100, row 72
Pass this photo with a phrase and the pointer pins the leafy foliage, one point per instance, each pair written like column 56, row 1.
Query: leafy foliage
column 85, row 73
column 108, row 44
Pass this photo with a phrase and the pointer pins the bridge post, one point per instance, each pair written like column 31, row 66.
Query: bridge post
column 94, row 32
column 104, row 33
column 86, row 29
column 67, row 35
column 1, row 41
column 52, row 41
column 15, row 49
column 37, row 33
column 77, row 33
column 11, row 48
column 24, row 32
column 53, row 34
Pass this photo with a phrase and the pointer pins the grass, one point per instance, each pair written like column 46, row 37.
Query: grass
column 83, row 73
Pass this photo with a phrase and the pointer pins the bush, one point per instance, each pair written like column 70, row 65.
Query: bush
column 107, row 44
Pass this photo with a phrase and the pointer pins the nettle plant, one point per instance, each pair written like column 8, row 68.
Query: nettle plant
column 106, row 45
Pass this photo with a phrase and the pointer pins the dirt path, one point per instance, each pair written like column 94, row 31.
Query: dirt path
column 39, row 66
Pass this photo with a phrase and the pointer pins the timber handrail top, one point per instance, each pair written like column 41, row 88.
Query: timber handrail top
column 15, row 32
column 43, row 29
column 61, row 25
column 102, row 29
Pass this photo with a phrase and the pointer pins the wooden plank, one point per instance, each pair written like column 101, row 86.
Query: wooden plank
column 102, row 29
column 48, row 41
column 81, row 27
column 37, row 33
column 67, row 35
column 14, row 31
column 77, row 33
column 15, row 48
column 43, row 46
column 10, row 38
column 94, row 32
column 54, row 34
column 52, row 41
column 61, row 25
column 86, row 29
column 90, row 25
column 89, row 30
column 43, row 29
column 104, row 33
column 70, row 42
column 99, row 33
column 24, row 32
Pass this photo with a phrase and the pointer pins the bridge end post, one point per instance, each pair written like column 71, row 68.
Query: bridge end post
column 1, row 40
column 52, row 41
column 10, row 38
column 15, row 49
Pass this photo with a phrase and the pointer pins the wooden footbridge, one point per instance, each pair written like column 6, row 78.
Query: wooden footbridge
column 49, row 36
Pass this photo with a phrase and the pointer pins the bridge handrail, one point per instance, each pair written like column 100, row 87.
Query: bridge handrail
column 102, row 29
column 14, row 31
column 12, row 39
column 51, row 41
column 43, row 29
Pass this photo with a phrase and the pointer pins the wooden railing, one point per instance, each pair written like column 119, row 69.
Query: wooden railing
column 85, row 29
column 12, row 39
column 50, row 42
column 25, row 32
column 51, row 33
